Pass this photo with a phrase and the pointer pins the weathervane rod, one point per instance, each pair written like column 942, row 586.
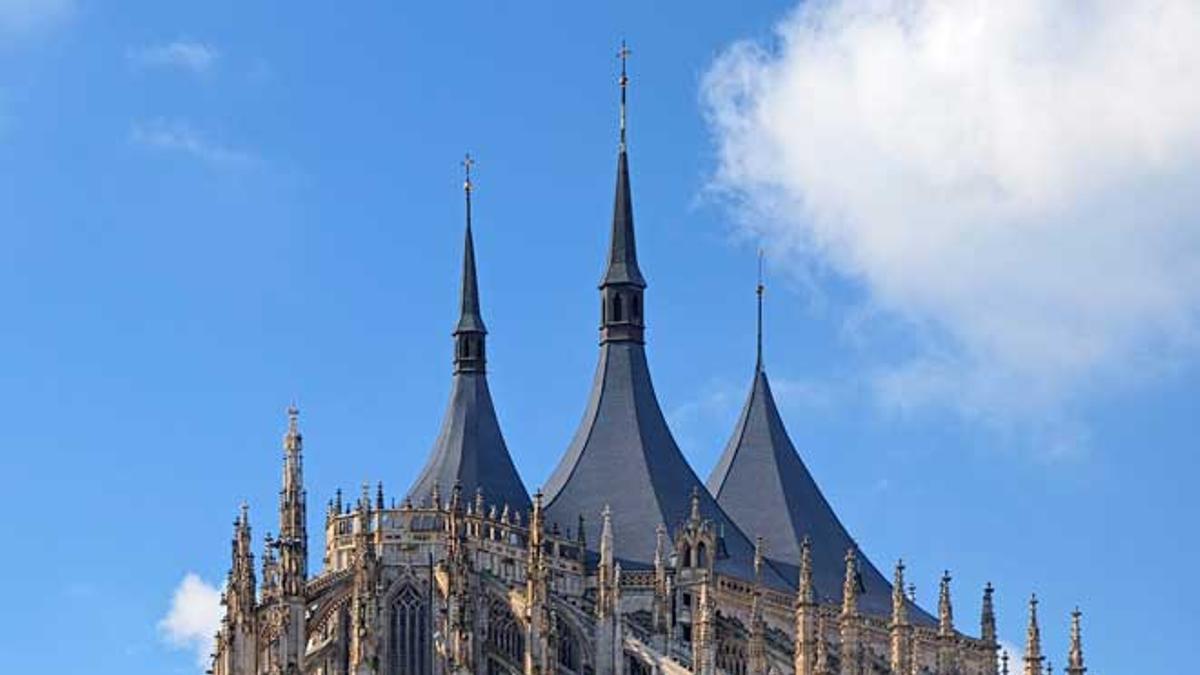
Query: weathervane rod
column 468, row 186
column 759, row 291
column 623, row 54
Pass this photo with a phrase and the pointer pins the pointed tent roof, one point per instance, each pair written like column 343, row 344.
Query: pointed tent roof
column 470, row 319
column 623, row 453
column 470, row 450
column 761, row 482
column 622, row 256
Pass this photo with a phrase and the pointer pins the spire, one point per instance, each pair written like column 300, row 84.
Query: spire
column 901, row 637
column 987, row 619
column 1075, row 656
column 623, row 284
column 851, row 649
column 762, row 483
column 945, row 609
column 850, row 584
column 805, row 594
column 1033, row 641
column 469, row 334
column 758, row 363
column 293, row 511
column 470, row 448
column 947, row 651
column 605, row 573
column 899, row 605
column 623, row 450
column 805, row 657
column 242, row 578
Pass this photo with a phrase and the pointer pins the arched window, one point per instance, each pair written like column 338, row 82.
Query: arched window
column 701, row 555
column 731, row 658
column 687, row 555
column 568, row 648
column 616, row 308
column 409, row 633
column 505, row 637
column 636, row 309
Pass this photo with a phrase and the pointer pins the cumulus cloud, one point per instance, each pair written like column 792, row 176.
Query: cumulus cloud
column 179, row 136
column 23, row 16
column 194, row 617
column 194, row 57
column 1013, row 182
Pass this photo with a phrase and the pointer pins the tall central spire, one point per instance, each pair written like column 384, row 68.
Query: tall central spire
column 759, row 290
column 470, row 451
column 621, row 290
column 470, row 334
column 623, row 452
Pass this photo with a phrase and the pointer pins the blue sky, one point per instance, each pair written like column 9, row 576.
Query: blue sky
column 208, row 210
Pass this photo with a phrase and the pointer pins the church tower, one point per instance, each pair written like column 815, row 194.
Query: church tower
column 623, row 286
column 762, row 483
column 470, row 450
column 623, row 452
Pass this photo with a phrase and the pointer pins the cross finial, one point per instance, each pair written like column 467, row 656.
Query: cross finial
column 623, row 54
column 468, row 186
column 467, row 163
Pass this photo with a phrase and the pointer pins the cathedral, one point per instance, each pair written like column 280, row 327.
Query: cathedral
column 625, row 562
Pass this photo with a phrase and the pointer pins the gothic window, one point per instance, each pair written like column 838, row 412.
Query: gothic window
column 701, row 552
column 409, row 632
column 687, row 556
column 636, row 309
column 505, row 636
column 568, row 648
column 731, row 658
column 616, row 308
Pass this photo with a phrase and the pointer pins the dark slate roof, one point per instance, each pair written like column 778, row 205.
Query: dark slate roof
column 622, row 255
column 470, row 318
column 470, row 450
column 624, row 455
column 764, row 486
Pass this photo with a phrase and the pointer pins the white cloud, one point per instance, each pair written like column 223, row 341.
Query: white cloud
column 179, row 136
column 24, row 16
column 194, row 617
column 1014, row 181
column 195, row 57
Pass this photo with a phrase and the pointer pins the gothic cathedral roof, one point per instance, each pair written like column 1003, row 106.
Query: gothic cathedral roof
column 762, row 483
column 623, row 453
column 470, row 449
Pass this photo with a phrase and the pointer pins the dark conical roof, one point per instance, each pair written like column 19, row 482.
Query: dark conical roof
column 470, row 319
column 624, row 455
column 622, row 255
column 470, row 450
column 761, row 482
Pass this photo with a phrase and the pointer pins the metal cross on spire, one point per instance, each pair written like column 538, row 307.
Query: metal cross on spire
column 623, row 54
column 468, row 186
